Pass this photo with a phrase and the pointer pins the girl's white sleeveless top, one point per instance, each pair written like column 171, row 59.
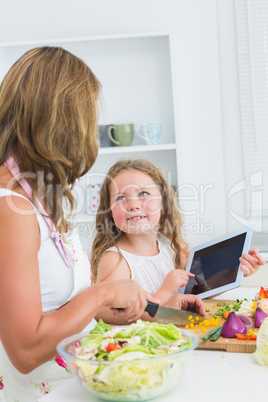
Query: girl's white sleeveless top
column 59, row 284
column 151, row 271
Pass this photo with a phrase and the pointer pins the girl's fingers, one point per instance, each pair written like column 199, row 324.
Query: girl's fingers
column 254, row 257
column 190, row 274
column 260, row 258
column 246, row 267
column 245, row 270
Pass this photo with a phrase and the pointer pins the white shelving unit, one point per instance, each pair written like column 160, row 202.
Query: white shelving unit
column 135, row 72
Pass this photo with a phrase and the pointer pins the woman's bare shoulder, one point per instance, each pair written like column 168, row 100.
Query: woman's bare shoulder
column 18, row 219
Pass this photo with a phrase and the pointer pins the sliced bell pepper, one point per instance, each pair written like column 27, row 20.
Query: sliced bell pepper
column 252, row 336
column 249, row 335
column 241, row 336
column 111, row 347
column 262, row 293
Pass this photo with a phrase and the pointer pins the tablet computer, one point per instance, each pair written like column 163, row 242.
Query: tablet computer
column 216, row 264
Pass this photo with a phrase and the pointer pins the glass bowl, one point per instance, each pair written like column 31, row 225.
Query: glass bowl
column 127, row 380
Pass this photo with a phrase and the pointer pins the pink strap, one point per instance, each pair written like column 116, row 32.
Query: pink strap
column 57, row 237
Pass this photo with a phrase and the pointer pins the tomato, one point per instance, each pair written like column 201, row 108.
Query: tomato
column 112, row 346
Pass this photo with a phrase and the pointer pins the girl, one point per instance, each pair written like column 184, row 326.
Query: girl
column 139, row 236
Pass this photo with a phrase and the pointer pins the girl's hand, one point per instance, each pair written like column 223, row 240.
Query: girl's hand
column 175, row 279
column 187, row 302
column 251, row 262
column 128, row 300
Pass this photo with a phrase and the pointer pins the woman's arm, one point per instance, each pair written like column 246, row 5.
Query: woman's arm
column 113, row 268
column 29, row 337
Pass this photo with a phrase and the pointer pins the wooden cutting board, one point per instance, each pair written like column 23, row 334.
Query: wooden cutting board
column 226, row 344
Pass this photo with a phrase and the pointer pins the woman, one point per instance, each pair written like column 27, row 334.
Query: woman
column 48, row 121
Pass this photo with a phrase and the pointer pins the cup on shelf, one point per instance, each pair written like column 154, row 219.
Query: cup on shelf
column 150, row 132
column 121, row 134
column 104, row 140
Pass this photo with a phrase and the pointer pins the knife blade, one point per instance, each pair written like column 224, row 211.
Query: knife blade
column 168, row 315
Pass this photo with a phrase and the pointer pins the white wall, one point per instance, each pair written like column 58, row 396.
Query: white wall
column 204, row 85
column 193, row 28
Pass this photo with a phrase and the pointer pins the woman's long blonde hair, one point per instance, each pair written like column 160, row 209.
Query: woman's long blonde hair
column 48, row 123
column 108, row 234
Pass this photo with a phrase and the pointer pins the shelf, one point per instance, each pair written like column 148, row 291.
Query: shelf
column 92, row 38
column 136, row 148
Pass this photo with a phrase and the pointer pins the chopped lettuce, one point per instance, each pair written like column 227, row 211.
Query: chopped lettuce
column 261, row 354
column 152, row 334
column 132, row 347
column 134, row 371
column 95, row 337
column 125, row 378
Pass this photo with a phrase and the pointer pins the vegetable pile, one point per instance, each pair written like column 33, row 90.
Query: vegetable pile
column 123, row 360
column 242, row 319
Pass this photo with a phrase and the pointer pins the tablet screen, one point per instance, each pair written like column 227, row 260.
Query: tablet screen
column 216, row 265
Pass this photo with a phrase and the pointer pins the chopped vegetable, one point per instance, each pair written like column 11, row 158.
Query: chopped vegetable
column 246, row 320
column 232, row 326
column 211, row 332
column 241, row 336
column 111, row 347
column 127, row 346
column 235, row 306
column 216, row 335
column 226, row 313
column 262, row 293
column 260, row 316
column 249, row 335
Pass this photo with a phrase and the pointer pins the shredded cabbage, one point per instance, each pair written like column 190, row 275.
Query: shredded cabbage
column 261, row 354
column 132, row 376
column 95, row 337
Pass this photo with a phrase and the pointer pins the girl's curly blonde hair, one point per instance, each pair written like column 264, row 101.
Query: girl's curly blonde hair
column 48, row 123
column 108, row 234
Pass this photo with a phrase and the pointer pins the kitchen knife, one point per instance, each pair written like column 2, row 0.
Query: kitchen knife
column 167, row 315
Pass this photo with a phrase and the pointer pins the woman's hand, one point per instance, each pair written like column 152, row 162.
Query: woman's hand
column 251, row 262
column 127, row 299
column 187, row 302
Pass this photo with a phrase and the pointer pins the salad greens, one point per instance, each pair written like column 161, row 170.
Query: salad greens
column 147, row 337
column 128, row 350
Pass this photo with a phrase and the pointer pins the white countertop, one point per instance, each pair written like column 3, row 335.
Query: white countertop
column 210, row 375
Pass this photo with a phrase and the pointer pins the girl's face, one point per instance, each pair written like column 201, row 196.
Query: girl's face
column 136, row 202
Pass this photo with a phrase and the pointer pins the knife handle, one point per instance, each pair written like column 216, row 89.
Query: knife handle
column 151, row 309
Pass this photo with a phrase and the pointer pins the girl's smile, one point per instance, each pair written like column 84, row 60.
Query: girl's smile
column 136, row 202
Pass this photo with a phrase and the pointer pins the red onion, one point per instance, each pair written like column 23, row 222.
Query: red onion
column 246, row 320
column 260, row 315
column 233, row 325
